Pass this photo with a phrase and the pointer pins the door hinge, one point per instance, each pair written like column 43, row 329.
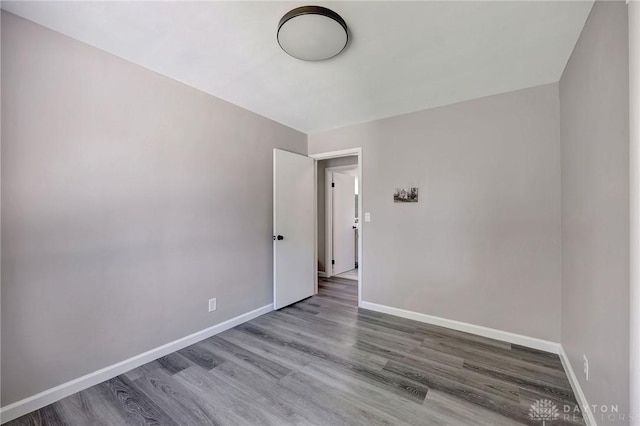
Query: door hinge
column 333, row 184
column 333, row 262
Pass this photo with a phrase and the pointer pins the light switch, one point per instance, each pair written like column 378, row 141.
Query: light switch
column 367, row 217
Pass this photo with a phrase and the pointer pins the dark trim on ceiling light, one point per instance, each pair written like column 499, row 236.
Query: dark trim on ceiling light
column 313, row 10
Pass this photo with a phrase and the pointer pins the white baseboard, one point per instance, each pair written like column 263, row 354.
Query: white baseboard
column 322, row 274
column 27, row 405
column 505, row 336
column 587, row 415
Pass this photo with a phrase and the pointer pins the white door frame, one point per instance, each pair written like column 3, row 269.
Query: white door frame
column 328, row 215
column 337, row 154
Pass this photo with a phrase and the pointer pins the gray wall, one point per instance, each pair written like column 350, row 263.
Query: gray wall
column 322, row 166
column 634, row 210
column 483, row 243
column 594, row 118
column 128, row 200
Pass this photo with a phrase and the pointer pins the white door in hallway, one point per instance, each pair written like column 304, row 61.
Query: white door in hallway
column 344, row 213
column 293, row 228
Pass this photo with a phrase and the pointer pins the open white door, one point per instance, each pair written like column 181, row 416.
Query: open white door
column 293, row 228
column 344, row 214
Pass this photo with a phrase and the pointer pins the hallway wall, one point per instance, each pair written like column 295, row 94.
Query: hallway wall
column 322, row 166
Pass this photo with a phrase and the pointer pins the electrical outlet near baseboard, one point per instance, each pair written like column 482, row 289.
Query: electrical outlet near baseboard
column 585, row 361
column 212, row 304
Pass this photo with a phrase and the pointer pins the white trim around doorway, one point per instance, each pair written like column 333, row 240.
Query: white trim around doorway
column 338, row 154
column 328, row 215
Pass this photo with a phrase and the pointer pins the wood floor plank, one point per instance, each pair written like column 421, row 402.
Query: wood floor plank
column 290, row 359
column 89, row 407
column 315, row 348
column 527, row 373
column 353, row 412
column 201, row 356
column 481, row 357
column 177, row 400
column 385, row 323
column 343, row 288
column 296, row 407
column 537, row 357
column 46, row 416
column 334, row 299
column 134, row 406
column 324, row 361
column 352, row 360
column 464, row 412
column 454, row 380
column 312, row 331
column 405, row 355
column 173, row 363
column 411, row 412
column 329, row 306
column 224, row 349
column 436, row 333
column 223, row 403
column 501, row 401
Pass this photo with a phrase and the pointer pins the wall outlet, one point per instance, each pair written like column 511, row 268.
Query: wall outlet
column 367, row 217
column 586, row 367
column 212, row 304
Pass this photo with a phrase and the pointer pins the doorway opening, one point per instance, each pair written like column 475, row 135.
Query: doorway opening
column 338, row 253
column 338, row 218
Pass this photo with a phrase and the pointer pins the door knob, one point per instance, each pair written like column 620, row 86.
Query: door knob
column 279, row 237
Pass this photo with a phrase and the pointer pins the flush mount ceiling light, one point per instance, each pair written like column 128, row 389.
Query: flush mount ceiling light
column 312, row 33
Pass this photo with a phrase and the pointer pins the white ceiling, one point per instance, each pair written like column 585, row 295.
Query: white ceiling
column 403, row 56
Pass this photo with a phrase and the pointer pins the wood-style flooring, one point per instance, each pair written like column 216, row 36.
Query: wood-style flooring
column 323, row 361
column 349, row 275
